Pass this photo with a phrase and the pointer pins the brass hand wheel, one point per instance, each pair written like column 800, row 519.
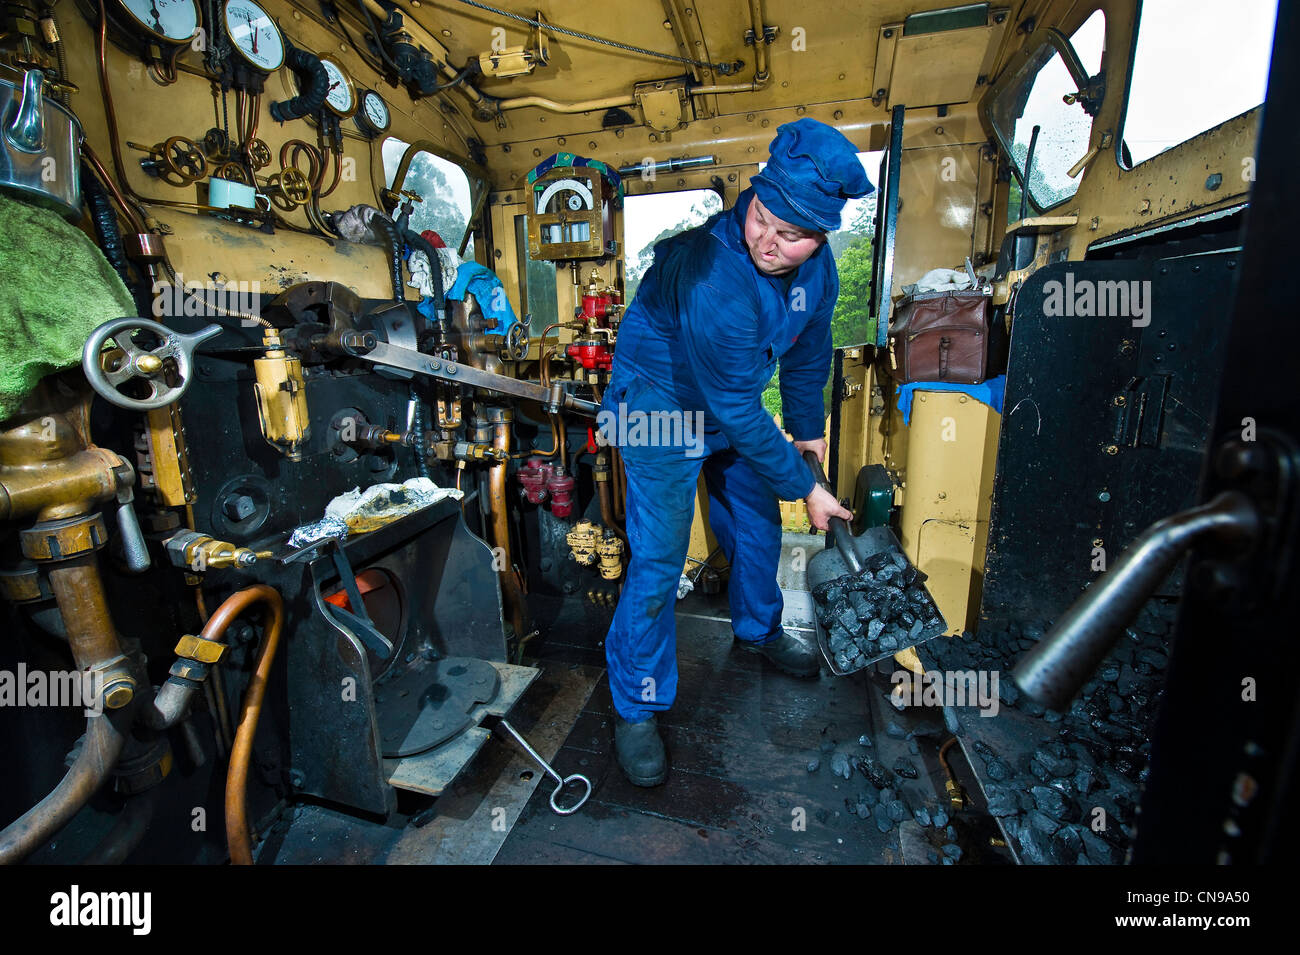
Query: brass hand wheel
column 289, row 189
column 232, row 172
column 180, row 162
column 259, row 154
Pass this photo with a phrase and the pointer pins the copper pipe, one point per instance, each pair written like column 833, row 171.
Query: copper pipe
column 605, row 492
column 620, row 484
column 105, row 737
column 510, row 590
column 133, row 216
column 237, row 837
column 84, row 606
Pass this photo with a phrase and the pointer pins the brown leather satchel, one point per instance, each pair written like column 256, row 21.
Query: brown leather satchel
column 941, row 336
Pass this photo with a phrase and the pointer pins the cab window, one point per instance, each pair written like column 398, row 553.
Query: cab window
column 1036, row 98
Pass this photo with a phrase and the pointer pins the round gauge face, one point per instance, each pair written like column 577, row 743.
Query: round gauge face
column 340, row 97
column 254, row 34
column 173, row 20
column 374, row 111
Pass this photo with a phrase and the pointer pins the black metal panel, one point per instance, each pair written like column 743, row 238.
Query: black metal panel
column 1104, row 424
column 1223, row 784
column 226, row 445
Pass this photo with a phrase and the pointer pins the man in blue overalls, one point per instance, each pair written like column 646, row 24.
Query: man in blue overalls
column 720, row 306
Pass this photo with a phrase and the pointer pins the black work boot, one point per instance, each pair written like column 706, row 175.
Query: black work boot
column 789, row 654
column 640, row 751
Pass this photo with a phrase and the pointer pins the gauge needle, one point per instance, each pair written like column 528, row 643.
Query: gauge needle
column 252, row 29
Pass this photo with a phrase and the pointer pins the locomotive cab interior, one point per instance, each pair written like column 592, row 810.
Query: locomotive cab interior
column 311, row 532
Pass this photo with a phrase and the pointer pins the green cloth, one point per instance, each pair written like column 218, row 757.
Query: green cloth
column 56, row 288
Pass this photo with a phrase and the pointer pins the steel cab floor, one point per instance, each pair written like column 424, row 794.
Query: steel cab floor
column 751, row 755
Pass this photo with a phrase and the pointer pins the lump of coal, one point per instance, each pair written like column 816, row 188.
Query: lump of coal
column 922, row 816
column 999, row 771
column 881, row 815
column 953, row 851
column 897, row 811
column 940, row 818
column 1002, row 801
column 905, row 768
column 840, row 766
column 1050, row 800
column 814, row 765
column 894, row 731
column 880, row 777
column 864, row 740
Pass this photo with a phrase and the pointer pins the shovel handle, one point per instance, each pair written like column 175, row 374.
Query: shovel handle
column 837, row 528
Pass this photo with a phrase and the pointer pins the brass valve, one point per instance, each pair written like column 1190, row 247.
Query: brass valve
column 281, row 391
column 177, row 161
column 470, row 451
column 289, row 189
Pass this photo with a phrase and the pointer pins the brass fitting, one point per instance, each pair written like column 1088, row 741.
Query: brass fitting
column 199, row 552
column 473, row 451
column 281, row 390
column 956, row 797
column 583, row 541
column 49, row 469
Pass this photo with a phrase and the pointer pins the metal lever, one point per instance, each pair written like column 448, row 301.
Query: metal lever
column 1054, row 670
column 837, row 528
column 134, row 552
column 560, row 782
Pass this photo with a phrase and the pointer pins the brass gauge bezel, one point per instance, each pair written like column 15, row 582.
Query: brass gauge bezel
column 352, row 88
column 363, row 120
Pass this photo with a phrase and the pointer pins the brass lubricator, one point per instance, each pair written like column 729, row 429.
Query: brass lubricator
column 281, row 390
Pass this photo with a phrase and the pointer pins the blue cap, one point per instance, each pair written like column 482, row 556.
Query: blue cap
column 812, row 172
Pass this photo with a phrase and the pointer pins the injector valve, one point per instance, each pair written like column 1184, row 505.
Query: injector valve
column 199, row 552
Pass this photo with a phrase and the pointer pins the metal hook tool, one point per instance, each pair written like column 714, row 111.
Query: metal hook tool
column 562, row 781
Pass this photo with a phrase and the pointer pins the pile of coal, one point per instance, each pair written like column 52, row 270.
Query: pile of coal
column 1095, row 755
column 877, row 612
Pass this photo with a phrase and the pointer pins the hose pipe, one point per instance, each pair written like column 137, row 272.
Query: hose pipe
column 315, row 86
column 419, row 444
column 383, row 226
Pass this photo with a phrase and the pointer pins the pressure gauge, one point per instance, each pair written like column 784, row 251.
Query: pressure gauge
column 172, row 21
column 340, row 98
column 373, row 117
column 254, row 35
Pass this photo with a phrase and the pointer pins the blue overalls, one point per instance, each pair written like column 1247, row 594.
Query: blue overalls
column 696, row 348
